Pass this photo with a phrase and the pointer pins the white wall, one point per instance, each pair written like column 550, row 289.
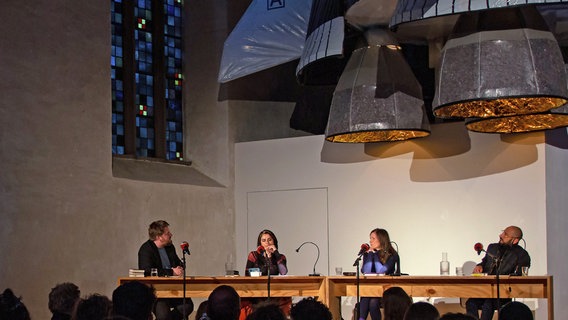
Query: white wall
column 439, row 194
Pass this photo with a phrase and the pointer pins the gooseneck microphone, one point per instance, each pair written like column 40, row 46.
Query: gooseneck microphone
column 185, row 248
column 397, row 271
column 260, row 250
column 314, row 271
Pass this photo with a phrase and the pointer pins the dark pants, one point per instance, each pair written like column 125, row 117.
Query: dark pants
column 172, row 309
column 487, row 306
column 370, row 305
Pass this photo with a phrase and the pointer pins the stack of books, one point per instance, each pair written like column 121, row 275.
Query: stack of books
column 135, row 273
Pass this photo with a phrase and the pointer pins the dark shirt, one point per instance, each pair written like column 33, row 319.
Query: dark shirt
column 372, row 263
column 277, row 263
column 512, row 259
column 149, row 257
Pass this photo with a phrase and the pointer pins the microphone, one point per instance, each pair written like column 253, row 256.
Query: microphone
column 364, row 248
column 185, row 247
column 478, row 247
column 260, row 250
column 397, row 270
column 298, row 250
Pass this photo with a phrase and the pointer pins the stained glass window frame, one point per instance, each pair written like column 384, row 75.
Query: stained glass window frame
column 147, row 106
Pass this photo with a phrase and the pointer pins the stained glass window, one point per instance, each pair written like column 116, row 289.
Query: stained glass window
column 146, row 62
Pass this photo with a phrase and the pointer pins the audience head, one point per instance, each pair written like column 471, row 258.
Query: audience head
column 266, row 311
column 421, row 311
column 224, row 303
column 202, row 310
column 94, row 307
column 310, row 309
column 62, row 298
column 12, row 307
column 515, row 310
column 133, row 300
column 395, row 303
column 457, row 316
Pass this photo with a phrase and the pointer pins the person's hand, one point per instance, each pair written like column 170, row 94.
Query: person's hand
column 477, row 269
column 270, row 250
column 178, row 271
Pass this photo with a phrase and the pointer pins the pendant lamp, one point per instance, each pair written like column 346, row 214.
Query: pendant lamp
column 377, row 97
column 497, row 63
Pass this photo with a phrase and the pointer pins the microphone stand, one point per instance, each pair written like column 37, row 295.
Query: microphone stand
column 314, row 271
column 356, row 264
column 268, row 281
column 184, row 276
column 497, row 268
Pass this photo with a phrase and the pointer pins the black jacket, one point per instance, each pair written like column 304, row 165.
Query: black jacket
column 149, row 257
column 512, row 259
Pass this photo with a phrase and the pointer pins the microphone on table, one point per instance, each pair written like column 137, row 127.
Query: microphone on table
column 314, row 271
column 185, row 248
column 364, row 248
column 397, row 271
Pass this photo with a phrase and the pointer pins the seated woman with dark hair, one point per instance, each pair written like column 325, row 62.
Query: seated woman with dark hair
column 267, row 259
column 381, row 258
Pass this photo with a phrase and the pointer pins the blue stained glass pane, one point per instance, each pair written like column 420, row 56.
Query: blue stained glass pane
column 143, row 53
column 120, row 150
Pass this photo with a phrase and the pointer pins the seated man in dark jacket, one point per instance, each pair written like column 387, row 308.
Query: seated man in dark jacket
column 158, row 252
column 505, row 257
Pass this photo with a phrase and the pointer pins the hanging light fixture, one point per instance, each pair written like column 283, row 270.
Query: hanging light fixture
column 500, row 62
column 555, row 118
column 377, row 97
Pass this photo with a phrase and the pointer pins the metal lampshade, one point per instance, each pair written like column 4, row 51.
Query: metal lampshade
column 377, row 97
column 555, row 118
column 499, row 63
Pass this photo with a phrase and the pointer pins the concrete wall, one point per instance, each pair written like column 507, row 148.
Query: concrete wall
column 439, row 194
column 556, row 217
column 64, row 216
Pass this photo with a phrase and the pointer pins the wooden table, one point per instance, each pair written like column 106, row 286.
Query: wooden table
column 329, row 290
column 280, row 286
column 441, row 286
